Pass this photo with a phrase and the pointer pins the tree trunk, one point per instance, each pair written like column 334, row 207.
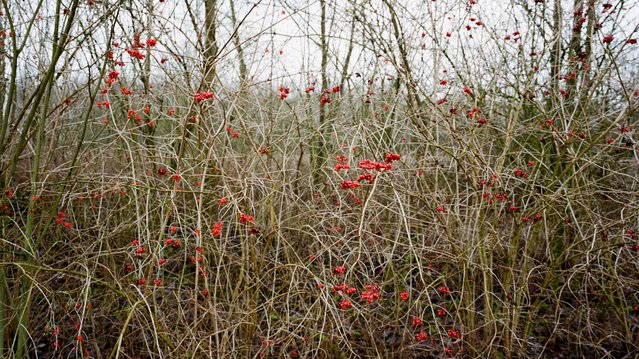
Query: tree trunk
column 238, row 46
column 210, row 45
column 320, row 151
column 574, row 49
column 585, row 65
column 555, row 52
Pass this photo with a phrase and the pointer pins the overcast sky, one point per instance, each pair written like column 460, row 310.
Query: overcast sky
column 281, row 38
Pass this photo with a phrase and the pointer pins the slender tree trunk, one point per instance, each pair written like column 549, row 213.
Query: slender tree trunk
column 210, row 45
column 320, row 146
column 238, row 46
column 8, row 102
column 146, row 79
column 574, row 49
column 555, row 52
column 3, row 295
column 3, row 126
column 146, row 73
column 585, row 65
column 349, row 53
column 61, row 33
column 3, row 84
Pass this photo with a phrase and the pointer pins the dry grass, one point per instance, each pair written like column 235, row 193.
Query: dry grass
column 212, row 229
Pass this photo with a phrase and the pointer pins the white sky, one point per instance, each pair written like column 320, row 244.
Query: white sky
column 293, row 28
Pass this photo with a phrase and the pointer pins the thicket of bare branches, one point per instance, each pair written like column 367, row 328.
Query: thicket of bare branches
column 323, row 178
